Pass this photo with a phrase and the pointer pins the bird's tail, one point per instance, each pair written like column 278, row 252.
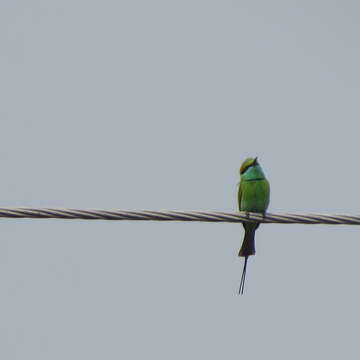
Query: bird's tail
column 248, row 245
column 242, row 281
column 247, row 249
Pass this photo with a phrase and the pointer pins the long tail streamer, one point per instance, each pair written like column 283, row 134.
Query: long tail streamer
column 242, row 281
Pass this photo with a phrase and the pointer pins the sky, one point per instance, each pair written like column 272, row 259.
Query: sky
column 154, row 105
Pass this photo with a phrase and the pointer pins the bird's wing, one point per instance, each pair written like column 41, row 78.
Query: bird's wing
column 239, row 194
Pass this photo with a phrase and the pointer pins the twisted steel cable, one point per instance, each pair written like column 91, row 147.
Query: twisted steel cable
column 176, row 215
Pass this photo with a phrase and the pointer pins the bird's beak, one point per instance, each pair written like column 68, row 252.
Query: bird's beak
column 255, row 161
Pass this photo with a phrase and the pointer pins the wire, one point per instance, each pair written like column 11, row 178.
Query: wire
column 174, row 215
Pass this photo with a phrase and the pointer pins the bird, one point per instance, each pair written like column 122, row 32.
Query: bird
column 253, row 196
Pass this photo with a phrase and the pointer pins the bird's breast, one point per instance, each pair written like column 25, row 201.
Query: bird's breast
column 255, row 196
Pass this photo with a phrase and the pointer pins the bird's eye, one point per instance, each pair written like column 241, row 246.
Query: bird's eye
column 245, row 168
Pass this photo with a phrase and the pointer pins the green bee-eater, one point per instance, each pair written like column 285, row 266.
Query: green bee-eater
column 253, row 196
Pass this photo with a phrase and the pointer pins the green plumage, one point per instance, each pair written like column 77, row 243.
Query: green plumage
column 253, row 196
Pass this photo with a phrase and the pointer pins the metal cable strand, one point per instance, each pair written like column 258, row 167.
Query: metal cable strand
column 175, row 215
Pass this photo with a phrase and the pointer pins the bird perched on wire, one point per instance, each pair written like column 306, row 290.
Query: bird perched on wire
column 253, row 196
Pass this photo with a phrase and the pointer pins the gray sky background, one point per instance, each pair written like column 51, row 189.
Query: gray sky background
column 154, row 105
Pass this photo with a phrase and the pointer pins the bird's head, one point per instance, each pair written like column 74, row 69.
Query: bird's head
column 247, row 164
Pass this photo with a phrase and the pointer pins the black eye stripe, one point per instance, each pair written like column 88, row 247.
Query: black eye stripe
column 245, row 168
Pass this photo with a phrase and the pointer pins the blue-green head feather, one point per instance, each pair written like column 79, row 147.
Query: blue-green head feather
column 251, row 170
